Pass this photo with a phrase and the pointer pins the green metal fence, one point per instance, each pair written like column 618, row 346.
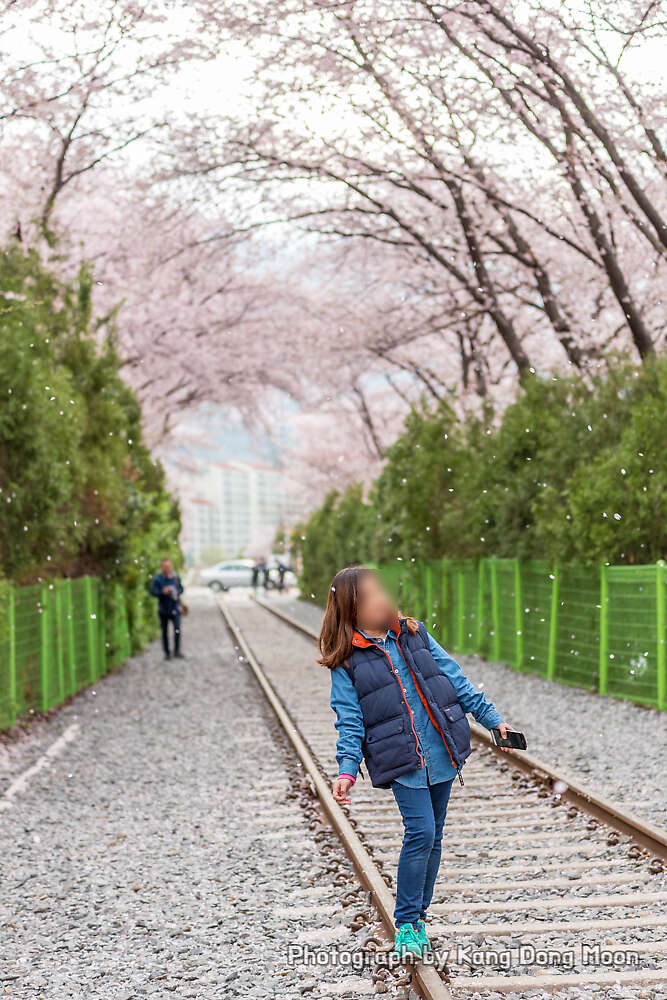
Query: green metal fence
column 604, row 629
column 58, row 637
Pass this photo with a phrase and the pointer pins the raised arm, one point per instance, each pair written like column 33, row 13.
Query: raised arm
column 471, row 699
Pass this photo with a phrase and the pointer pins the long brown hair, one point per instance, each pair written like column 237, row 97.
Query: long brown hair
column 340, row 616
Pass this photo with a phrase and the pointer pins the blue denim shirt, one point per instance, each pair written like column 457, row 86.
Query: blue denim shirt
column 350, row 722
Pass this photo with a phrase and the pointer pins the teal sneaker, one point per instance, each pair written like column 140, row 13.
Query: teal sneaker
column 406, row 942
column 422, row 936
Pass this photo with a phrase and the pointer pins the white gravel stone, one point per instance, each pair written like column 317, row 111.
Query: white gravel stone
column 143, row 861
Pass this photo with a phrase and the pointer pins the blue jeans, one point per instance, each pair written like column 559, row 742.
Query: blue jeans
column 423, row 811
column 175, row 618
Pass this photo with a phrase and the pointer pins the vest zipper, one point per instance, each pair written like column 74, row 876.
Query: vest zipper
column 429, row 713
column 405, row 699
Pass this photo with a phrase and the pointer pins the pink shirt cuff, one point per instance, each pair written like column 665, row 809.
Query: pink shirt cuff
column 353, row 780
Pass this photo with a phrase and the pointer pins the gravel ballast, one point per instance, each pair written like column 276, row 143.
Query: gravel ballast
column 171, row 848
column 161, row 852
column 289, row 660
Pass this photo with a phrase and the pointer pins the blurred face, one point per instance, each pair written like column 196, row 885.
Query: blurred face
column 167, row 568
column 375, row 609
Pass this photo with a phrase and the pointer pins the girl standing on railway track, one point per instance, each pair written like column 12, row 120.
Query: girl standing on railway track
column 401, row 704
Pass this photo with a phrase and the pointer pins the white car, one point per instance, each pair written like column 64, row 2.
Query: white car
column 233, row 573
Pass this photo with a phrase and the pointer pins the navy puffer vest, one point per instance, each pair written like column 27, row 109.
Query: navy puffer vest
column 390, row 744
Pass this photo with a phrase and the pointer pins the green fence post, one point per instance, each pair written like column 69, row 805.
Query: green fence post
column 417, row 584
column 11, row 624
column 460, row 608
column 101, row 630
column 114, row 629
column 137, row 618
column 71, row 646
column 428, row 588
column 661, row 658
column 127, row 640
column 44, row 649
column 421, row 588
column 120, row 616
column 495, row 609
column 604, row 632
column 480, row 606
column 91, row 629
column 444, row 603
column 518, row 616
column 406, row 589
column 60, row 658
column 553, row 625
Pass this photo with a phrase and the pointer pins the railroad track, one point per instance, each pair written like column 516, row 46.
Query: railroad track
column 530, row 860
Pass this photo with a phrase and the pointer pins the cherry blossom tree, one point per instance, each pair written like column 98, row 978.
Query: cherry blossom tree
column 502, row 147
column 414, row 199
column 85, row 120
column 80, row 87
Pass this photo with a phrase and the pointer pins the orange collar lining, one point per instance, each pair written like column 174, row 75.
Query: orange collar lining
column 363, row 643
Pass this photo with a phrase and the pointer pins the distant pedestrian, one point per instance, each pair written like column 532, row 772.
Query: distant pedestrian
column 282, row 569
column 167, row 587
column 256, row 570
column 260, row 572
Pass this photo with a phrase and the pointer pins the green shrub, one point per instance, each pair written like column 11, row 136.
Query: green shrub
column 79, row 491
column 573, row 472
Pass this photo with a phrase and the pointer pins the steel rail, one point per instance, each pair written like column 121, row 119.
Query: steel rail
column 426, row 977
column 647, row 836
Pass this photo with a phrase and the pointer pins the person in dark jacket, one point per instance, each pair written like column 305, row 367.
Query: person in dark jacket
column 401, row 704
column 167, row 587
column 259, row 569
column 282, row 570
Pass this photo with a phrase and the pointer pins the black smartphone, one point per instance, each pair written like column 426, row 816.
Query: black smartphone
column 516, row 741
